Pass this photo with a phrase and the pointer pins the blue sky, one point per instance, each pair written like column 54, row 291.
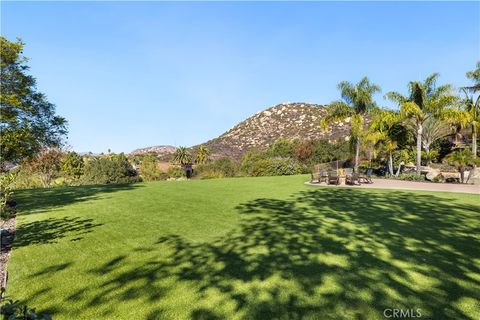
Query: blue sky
column 130, row 75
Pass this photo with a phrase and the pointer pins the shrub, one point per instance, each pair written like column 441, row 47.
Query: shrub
column 175, row 172
column 408, row 177
column 210, row 174
column 111, row 169
column 438, row 178
column 283, row 148
column 14, row 310
column 462, row 159
column 275, row 167
column 72, row 165
column 46, row 165
column 226, row 166
column 6, row 183
column 220, row 168
column 149, row 169
column 26, row 178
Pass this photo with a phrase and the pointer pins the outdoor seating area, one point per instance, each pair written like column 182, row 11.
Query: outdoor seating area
column 340, row 176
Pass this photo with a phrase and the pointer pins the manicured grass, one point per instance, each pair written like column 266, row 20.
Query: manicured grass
column 246, row 248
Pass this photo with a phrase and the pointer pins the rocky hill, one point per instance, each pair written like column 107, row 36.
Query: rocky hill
column 287, row 120
column 158, row 150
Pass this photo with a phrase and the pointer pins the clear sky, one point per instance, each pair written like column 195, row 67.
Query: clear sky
column 130, row 75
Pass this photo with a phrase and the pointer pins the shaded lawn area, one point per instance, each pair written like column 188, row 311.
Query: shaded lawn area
column 246, row 248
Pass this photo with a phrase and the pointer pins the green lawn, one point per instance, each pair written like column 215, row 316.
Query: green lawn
column 246, row 248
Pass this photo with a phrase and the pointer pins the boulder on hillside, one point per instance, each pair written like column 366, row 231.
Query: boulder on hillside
column 432, row 174
column 473, row 177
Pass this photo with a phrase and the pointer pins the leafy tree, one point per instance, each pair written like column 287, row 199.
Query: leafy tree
column 72, row 165
column 109, row 169
column 27, row 120
column 202, row 155
column 282, row 148
column 46, row 164
column 304, row 151
column 149, row 168
column 6, row 186
column 424, row 100
column 356, row 104
column 226, row 166
column 461, row 159
column 182, row 156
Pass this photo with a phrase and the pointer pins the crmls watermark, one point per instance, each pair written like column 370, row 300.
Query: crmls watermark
column 402, row 313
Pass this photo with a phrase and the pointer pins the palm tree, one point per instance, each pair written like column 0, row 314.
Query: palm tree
column 475, row 77
column 424, row 100
column 471, row 107
column 433, row 130
column 182, row 156
column 473, row 110
column 461, row 159
column 381, row 133
column 202, row 155
column 356, row 104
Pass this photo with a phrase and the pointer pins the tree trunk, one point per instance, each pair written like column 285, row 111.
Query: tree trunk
column 390, row 163
column 427, row 152
column 419, row 147
column 474, row 141
column 399, row 168
column 357, row 154
column 462, row 173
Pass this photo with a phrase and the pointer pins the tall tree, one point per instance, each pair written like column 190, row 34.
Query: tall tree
column 471, row 104
column 202, row 154
column 357, row 102
column 27, row 120
column 46, row 164
column 474, row 75
column 385, row 131
column 72, row 165
column 433, row 130
column 424, row 100
column 182, row 156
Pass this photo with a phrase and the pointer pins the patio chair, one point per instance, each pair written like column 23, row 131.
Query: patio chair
column 333, row 178
column 367, row 177
column 352, row 179
column 323, row 176
column 314, row 178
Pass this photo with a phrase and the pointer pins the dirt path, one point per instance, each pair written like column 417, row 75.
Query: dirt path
column 410, row 185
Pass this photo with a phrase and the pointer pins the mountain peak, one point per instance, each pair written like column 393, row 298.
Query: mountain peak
column 290, row 120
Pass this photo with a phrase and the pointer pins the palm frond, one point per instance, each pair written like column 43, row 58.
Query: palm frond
column 396, row 97
column 336, row 111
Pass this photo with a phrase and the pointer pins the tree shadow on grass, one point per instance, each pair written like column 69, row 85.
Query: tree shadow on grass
column 322, row 254
column 52, row 229
column 41, row 200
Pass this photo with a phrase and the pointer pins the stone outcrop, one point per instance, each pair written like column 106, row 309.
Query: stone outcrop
column 158, row 150
column 286, row 120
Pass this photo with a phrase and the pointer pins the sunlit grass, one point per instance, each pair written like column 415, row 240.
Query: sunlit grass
column 246, row 248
